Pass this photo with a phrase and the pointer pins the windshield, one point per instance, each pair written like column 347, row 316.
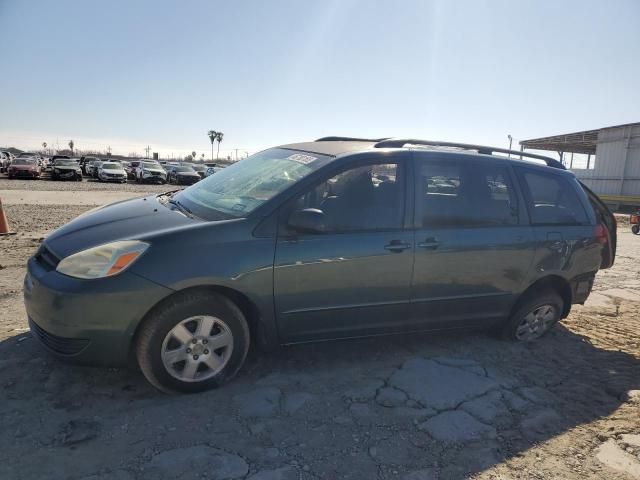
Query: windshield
column 150, row 165
column 64, row 163
column 184, row 169
column 24, row 161
column 26, row 155
column 110, row 166
column 242, row 187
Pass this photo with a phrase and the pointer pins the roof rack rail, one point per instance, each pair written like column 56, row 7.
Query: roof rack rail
column 349, row 139
column 483, row 149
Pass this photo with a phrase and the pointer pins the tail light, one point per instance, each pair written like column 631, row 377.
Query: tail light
column 634, row 219
column 601, row 234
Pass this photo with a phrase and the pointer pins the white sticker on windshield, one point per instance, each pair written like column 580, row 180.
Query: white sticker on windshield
column 302, row 158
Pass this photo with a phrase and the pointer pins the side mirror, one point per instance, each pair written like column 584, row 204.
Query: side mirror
column 310, row 220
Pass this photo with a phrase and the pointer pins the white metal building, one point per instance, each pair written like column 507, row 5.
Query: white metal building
column 612, row 167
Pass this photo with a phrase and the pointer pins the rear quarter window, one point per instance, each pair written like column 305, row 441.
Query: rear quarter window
column 551, row 199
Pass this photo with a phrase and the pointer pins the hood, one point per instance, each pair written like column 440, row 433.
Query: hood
column 188, row 174
column 130, row 219
column 24, row 167
column 66, row 167
column 159, row 170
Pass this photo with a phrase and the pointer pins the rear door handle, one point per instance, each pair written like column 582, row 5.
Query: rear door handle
column 430, row 243
column 397, row 246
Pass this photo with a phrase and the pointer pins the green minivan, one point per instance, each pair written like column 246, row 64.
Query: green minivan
column 321, row 240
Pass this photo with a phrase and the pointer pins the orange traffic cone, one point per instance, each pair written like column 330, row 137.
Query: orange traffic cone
column 4, row 223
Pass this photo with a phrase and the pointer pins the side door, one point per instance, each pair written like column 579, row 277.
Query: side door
column 473, row 242
column 562, row 227
column 354, row 277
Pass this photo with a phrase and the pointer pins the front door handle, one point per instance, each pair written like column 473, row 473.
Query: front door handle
column 397, row 246
column 430, row 243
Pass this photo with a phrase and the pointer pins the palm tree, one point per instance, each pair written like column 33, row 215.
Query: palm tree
column 193, row 155
column 219, row 136
column 71, row 146
column 212, row 136
column 44, row 147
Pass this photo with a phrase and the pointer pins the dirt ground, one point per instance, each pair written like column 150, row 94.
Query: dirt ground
column 422, row 407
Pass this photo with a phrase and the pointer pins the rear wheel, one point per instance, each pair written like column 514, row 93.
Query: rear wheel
column 636, row 229
column 195, row 342
column 537, row 313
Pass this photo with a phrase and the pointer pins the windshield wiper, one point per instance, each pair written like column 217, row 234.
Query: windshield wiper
column 181, row 206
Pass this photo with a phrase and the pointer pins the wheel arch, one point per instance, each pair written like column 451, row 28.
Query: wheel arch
column 263, row 336
column 550, row 282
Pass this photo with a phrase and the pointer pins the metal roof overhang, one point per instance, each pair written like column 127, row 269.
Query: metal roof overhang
column 579, row 142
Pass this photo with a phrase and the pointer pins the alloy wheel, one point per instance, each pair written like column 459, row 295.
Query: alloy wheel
column 536, row 323
column 197, row 348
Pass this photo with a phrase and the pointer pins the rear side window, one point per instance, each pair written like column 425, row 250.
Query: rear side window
column 552, row 200
column 463, row 195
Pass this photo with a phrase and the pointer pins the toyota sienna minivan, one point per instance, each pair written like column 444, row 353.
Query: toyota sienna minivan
column 322, row 240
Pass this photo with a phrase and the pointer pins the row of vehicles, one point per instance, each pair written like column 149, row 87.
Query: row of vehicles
column 63, row 167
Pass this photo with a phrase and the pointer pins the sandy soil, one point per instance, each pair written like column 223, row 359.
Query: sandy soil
column 424, row 407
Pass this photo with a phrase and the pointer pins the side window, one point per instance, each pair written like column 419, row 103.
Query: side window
column 461, row 194
column 552, row 199
column 365, row 198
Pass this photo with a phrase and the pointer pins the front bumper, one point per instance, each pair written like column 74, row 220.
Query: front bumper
column 87, row 321
column 112, row 178
column 154, row 178
column 187, row 180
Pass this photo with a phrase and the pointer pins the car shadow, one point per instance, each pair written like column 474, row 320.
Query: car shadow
column 444, row 405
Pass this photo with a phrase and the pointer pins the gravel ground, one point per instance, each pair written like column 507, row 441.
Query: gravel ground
column 422, row 407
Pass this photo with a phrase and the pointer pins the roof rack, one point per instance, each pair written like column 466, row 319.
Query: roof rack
column 483, row 149
column 350, row 139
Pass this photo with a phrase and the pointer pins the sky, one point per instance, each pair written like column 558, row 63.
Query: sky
column 131, row 73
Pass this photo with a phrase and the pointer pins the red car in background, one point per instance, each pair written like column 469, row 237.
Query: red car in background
column 24, row 168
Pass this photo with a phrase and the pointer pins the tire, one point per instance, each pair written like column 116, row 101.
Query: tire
column 534, row 315
column 155, row 338
column 636, row 229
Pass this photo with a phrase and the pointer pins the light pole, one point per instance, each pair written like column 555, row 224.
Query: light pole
column 510, row 141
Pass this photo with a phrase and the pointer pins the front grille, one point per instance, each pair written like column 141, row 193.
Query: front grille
column 60, row 345
column 46, row 258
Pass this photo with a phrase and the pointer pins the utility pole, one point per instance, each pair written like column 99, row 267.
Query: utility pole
column 109, row 151
column 148, row 149
column 510, row 141
column 236, row 154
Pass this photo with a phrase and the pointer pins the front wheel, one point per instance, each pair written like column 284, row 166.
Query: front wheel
column 537, row 313
column 636, row 229
column 195, row 342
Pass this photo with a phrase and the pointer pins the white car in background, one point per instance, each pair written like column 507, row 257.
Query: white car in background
column 150, row 171
column 112, row 172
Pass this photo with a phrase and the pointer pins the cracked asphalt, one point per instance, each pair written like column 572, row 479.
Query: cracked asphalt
column 431, row 406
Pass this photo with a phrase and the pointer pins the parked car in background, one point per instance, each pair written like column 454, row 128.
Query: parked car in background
column 132, row 169
column 182, row 175
column 150, row 171
column 65, row 169
column 318, row 241
column 112, row 172
column 85, row 162
column 200, row 170
column 211, row 170
column 24, row 168
column 95, row 168
column 5, row 160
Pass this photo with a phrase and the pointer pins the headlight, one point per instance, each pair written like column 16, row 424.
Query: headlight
column 102, row 261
